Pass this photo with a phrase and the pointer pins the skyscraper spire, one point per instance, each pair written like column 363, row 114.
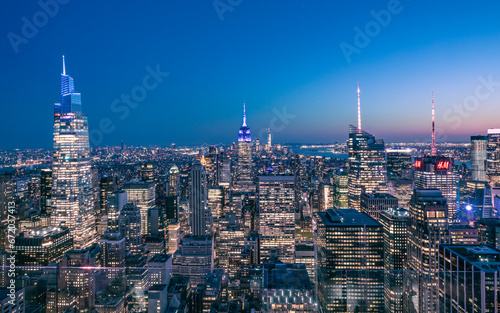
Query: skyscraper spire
column 244, row 115
column 433, row 145
column 244, row 132
column 64, row 67
column 359, row 112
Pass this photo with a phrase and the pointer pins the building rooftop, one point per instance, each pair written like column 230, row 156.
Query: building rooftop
column 347, row 217
column 396, row 212
column 137, row 185
column 483, row 257
column 378, row 196
column 280, row 178
column 43, row 232
column 286, row 276
column 160, row 258
column 159, row 287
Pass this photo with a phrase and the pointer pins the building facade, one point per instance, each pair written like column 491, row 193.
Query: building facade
column 276, row 202
column 72, row 195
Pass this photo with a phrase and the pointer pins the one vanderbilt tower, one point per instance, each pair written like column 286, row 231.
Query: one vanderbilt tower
column 72, row 197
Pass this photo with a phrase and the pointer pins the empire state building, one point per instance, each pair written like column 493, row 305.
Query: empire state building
column 244, row 180
column 72, row 197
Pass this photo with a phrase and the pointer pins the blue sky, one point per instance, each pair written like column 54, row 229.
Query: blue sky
column 277, row 56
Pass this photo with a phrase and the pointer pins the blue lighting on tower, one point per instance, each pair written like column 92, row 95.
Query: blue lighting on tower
column 71, row 101
column 244, row 132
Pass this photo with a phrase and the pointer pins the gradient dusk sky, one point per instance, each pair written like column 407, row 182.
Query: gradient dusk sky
column 275, row 55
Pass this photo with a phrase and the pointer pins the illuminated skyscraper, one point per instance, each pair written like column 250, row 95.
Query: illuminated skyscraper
column 399, row 163
column 107, row 186
column 437, row 172
column 478, row 157
column 147, row 172
column 201, row 217
column 427, row 229
column 174, row 181
column 42, row 246
column 374, row 203
column 77, row 280
column 45, row 190
column 269, row 143
column 225, row 175
column 244, row 177
column 116, row 202
column 112, row 246
column 468, row 278
column 401, row 189
column 367, row 165
column 143, row 195
column 340, row 189
column 129, row 223
column 395, row 223
column 194, row 258
column 6, row 195
column 350, row 261
column 493, row 158
column 276, row 204
column 72, row 194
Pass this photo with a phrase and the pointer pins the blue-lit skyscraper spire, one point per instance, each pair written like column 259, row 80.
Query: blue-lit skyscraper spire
column 244, row 180
column 244, row 133
column 244, row 115
column 71, row 101
column 72, row 195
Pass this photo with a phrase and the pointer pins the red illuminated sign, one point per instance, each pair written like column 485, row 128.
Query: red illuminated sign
column 443, row 165
column 418, row 164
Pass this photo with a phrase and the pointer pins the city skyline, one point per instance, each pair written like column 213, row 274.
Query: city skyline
column 272, row 77
column 250, row 157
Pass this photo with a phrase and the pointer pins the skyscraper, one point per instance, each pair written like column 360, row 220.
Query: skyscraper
column 374, row 203
column 130, row 227
column 367, row 165
column 478, row 157
column 427, row 229
column 72, row 194
column 350, row 260
column 142, row 194
column 244, row 178
column 42, row 246
column 6, row 195
column 493, row 158
column 107, row 186
column 468, row 278
column 174, row 181
column 437, row 172
column 340, row 189
column 399, row 163
column 201, row 217
column 116, row 202
column 112, row 246
column 276, row 204
column 395, row 223
column 45, row 190
column 147, row 172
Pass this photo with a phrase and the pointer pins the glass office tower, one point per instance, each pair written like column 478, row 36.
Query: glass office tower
column 493, row 158
column 478, row 157
column 72, row 194
column 367, row 165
